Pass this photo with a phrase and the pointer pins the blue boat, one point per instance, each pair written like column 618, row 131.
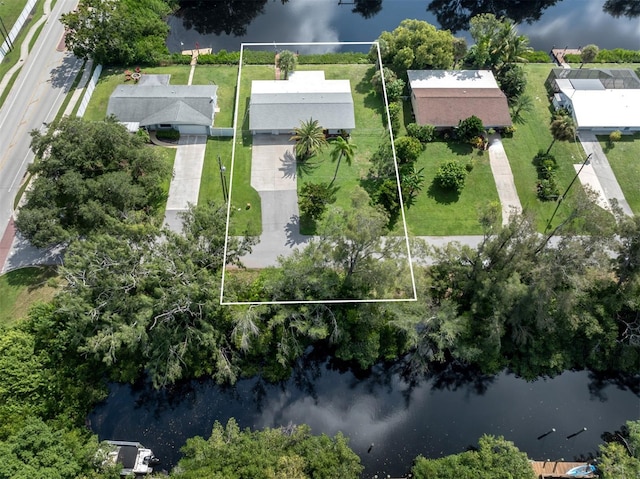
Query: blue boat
column 582, row 471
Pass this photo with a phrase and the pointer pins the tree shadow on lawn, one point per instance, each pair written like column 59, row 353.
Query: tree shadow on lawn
column 364, row 85
column 301, row 168
column 33, row 277
column 460, row 149
column 442, row 196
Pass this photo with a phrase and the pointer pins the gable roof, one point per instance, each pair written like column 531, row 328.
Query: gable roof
column 444, row 97
column 170, row 104
column 282, row 105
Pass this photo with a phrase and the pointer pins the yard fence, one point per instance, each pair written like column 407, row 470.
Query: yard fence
column 89, row 91
column 13, row 34
column 222, row 132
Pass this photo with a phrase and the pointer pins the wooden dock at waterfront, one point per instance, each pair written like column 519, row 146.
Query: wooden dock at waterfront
column 555, row 469
column 558, row 54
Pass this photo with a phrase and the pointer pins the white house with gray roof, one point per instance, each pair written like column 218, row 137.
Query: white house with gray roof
column 279, row 106
column 154, row 104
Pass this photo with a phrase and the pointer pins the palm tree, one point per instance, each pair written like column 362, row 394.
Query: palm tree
column 286, row 62
column 342, row 149
column 562, row 128
column 522, row 104
column 309, row 138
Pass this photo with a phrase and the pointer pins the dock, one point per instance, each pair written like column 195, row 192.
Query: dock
column 558, row 54
column 555, row 469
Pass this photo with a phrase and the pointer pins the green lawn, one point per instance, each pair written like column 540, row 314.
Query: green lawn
column 533, row 136
column 225, row 77
column 243, row 218
column 21, row 288
column 437, row 212
column 112, row 77
column 624, row 158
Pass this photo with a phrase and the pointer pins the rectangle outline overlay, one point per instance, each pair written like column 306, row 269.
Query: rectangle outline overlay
column 395, row 162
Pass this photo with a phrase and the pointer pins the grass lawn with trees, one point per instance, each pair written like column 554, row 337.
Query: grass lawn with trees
column 534, row 135
column 20, row 288
column 623, row 157
column 437, row 212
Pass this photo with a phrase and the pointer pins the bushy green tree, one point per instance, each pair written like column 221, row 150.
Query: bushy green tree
column 394, row 85
column 588, row 54
column 424, row 133
column 562, row 128
column 90, row 177
column 395, row 113
column 408, row 149
column 469, row 129
column 512, row 80
column 284, row 453
column 417, row 45
column 118, row 32
column 451, row 176
column 495, row 457
column 314, row 199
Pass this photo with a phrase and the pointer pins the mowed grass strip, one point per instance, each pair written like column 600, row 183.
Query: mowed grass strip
column 624, row 158
column 534, row 135
column 225, row 78
column 21, row 288
column 437, row 212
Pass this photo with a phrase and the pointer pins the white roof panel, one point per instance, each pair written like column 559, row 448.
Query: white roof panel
column 606, row 108
column 451, row 79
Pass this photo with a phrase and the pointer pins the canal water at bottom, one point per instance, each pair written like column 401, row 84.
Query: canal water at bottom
column 435, row 416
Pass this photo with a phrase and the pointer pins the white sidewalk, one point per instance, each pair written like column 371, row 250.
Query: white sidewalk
column 503, row 176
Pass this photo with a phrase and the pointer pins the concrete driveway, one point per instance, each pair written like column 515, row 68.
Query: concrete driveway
column 185, row 183
column 273, row 176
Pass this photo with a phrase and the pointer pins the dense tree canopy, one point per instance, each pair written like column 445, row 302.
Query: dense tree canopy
column 416, row 45
column 284, row 453
column 620, row 458
column 118, row 32
column 495, row 457
column 90, row 176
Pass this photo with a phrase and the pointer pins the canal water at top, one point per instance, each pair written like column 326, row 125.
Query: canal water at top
column 441, row 415
column 224, row 24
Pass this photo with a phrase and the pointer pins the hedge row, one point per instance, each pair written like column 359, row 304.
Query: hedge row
column 262, row 57
column 537, row 56
column 334, row 58
column 617, row 55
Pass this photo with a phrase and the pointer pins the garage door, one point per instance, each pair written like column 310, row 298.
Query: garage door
column 193, row 129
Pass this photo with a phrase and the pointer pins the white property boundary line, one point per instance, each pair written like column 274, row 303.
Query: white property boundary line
column 395, row 162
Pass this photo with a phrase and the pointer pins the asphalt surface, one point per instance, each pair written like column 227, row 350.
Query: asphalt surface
column 36, row 96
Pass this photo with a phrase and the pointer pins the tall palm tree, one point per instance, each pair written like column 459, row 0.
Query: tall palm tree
column 342, row 149
column 562, row 128
column 309, row 138
column 286, row 62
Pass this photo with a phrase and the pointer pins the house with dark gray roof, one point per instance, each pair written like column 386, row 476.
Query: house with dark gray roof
column 279, row 106
column 444, row 97
column 155, row 104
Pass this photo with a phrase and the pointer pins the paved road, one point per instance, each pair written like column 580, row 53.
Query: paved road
column 35, row 98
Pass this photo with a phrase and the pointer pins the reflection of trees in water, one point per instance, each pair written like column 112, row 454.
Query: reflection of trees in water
column 454, row 15
column 220, row 16
column 619, row 8
column 598, row 381
column 232, row 17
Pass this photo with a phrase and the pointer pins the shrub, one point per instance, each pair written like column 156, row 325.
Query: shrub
column 395, row 112
column 508, row 131
column 615, row 135
column 334, row 58
column 546, row 164
column 376, row 79
column 469, row 166
column 451, row 176
column 395, row 89
column 423, row 133
column 314, row 198
column 144, row 135
column 478, row 142
column 258, row 57
column 537, row 56
column 469, row 128
column 221, row 57
column 172, row 135
column 408, row 149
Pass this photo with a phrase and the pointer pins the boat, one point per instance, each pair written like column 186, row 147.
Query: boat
column 582, row 471
column 136, row 460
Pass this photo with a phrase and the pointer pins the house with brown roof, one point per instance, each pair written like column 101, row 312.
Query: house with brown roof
column 444, row 97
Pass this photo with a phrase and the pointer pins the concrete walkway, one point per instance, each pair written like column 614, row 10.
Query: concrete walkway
column 503, row 177
column 273, row 176
column 82, row 84
column 602, row 169
column 185, row 183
